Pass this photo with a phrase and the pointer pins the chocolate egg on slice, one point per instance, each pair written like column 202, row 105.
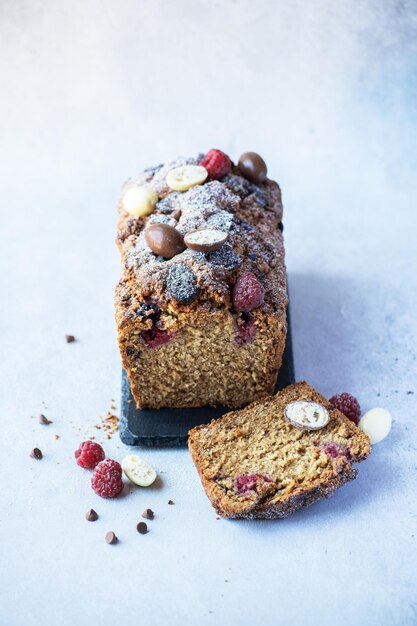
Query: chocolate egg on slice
column 205, row 239
column 164, row 240
column 253, row 167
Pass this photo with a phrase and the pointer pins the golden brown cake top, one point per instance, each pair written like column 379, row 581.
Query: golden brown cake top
column 248, row 216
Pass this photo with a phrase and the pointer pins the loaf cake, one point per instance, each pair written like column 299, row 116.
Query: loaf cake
column 277, row 455
column 201, row 304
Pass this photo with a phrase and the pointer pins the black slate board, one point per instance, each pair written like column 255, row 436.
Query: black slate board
column 169, row 427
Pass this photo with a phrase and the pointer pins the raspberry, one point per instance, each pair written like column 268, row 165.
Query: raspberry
column 248, row 293
column 154, row 338
column 107, row 479
column 217, row 163
column 334, row 450
column 348, row 405
column 248, row 482
column 246, row 330
column 89, row 454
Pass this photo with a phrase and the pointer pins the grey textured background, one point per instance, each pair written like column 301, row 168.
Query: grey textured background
column 91, row 92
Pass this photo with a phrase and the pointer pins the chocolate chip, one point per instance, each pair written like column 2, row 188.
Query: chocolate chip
column 44, row 420
column 281, row 226
column 171, row 502
column 205, row 239
column 164, row 240
column 36, row 454
column 253, row 167
column 91, row 515
column 142, row 528
column 111, row 537
column 70, row 338
column 148, row 514
column 182, row 283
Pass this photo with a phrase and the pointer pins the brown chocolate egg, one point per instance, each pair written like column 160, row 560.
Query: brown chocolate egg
column 253, row 167
column 164, row 240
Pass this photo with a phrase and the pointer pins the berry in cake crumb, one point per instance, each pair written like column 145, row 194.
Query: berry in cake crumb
column 334, row 450
column 217, row 163
column 348, row 405
column 154, row 337
column 89, row 454
column 106, row 480
column 248, row 293
column 249, row 482
column 246, row 329
column 182, row 283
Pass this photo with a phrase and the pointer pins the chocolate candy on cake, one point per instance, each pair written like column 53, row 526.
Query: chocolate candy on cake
column 253, row 167
column 139, row 201
column 307, row 415
column 164, row 240
column 205, row 239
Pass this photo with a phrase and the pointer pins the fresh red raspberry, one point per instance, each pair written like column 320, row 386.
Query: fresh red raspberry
column 348, row 405
column 107, row 479
column 154, row 337
column 89, row 454
column 217, row 163
column 248, row 292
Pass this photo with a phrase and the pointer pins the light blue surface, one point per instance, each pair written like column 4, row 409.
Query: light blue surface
column 91, row 93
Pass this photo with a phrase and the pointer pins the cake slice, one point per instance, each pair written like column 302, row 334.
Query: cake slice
column 256, row 463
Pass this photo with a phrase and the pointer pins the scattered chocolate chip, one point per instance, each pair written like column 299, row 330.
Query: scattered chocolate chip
column 148, row 514
column 182, row 283
column 111, row 537
column 142, row 528
column 70, row 338
column 253, row 167
column 164, row 240
column 205, row 239
column 44, row 420
column 36, row 454
column 171, row 502
column 91, row 516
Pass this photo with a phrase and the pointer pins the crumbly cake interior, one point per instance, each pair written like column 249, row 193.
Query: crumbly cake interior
column 182, row 342
column 259, row 441
column 205, row 364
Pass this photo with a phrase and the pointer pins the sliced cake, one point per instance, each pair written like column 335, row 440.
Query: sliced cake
column 277, row 455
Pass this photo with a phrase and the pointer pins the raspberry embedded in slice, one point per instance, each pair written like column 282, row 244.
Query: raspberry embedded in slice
column 89, row 454
column 246, row 329
column 154, row 337
column 106, row 480
column 334, row 450
column 249, row 482
column 248, row 293
column 217, row 163
column 348, row 405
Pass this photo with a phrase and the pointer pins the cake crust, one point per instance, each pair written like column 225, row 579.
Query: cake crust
column 301, row 466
